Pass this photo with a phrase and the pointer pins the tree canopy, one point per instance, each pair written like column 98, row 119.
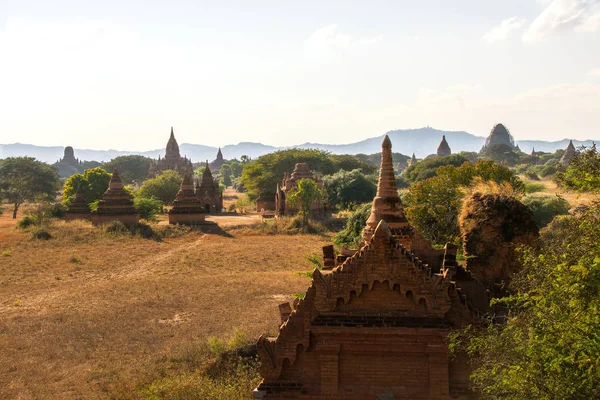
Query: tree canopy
column 548, row 346
column 260, row 176
column 347, row 188
column 583, row 172
column 433, row 205
column 132, row 168
column 164, row 187
column 304, row 196
column 92, row 184
column 24, row 178
column 426, row 168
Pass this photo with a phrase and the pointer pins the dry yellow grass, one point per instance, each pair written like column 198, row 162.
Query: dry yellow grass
column 87, row 314
column 574, row 198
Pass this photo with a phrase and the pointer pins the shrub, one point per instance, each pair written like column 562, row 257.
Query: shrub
column 531, row 175
column 144, row 231
column 352, row 233
column 41, row 234
column 25, row 222
column 148, row 208
column 546, row 207
column 534, row 187
column 115, row 227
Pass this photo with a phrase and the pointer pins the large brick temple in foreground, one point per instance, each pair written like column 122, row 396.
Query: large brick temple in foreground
column 376, row 326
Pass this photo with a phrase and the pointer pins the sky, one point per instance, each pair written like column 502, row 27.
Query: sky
column 118, row 74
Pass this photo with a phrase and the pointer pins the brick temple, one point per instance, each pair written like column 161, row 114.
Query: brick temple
column 116, row 204
column 375, row 326
column 289, row 184
column 187, row 208
column 79, row 209
column 209, row 193
column 171, row 161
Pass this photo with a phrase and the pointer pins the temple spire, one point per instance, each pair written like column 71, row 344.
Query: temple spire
column 386, row 204
column 172, row 134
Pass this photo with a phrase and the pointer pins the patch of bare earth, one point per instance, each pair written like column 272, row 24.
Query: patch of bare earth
column 87, row 311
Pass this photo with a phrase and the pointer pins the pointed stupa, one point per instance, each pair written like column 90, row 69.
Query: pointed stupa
column 412, row 161
column 533, row 152
column 568, row 154
column 443, row 149
column 116, row 203
column 79, row 208
column 187, row 209
column 172, row 152
column 386, row 204
column 209, row 192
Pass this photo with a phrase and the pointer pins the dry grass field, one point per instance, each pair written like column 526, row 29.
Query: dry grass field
column 91, row 315
column 574, row 198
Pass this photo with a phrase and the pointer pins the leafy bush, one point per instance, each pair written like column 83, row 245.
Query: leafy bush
column 164, row 187
column 547, row 347
column 432, row 206
column 347, row 188
column 25, row 222
column 140, row 229
column 115, row 227
column 546, row 207
column 531, row 175
column 92, row 184
column 148, row 208
column 534, row 187
column 583, row 172
column 427, row 168
column 352, row 233
column 41, row 234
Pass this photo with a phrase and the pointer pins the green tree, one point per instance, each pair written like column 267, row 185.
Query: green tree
column 546, row 207
column 92, row 184
column 433, row 205
column 164, row 187
column 503, row 154
column 426, row 168
column 132, row 168
column 262, row 175
column 24, row 178
column 345, row 189
column 236, row 168
column 226, row 174
column 148, row 208
column 583, row 172
column 548, row 346
column 304, row 197
column 352, row 233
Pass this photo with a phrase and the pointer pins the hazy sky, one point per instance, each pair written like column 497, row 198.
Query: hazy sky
column 117, row 74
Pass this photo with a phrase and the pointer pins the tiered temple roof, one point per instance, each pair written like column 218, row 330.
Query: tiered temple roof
column 209, row 193
column 116, row 204
column 171, row 161
column 500, row 135
column 443, row 149
column 187, row 209
column 79, row 208
column 568, row 154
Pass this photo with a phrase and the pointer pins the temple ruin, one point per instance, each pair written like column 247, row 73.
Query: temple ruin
column 171, row 161
column 568, row 154
column 209, row 193
column 79, row 209
column 116, row 204
column 376, row 325
column 289, row 184
column 499, row 135
column 218, row 162
column 187, row 209
column 443, row 148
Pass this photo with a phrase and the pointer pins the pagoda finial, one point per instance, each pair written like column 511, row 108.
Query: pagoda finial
column 386, row 204
column 172, row 134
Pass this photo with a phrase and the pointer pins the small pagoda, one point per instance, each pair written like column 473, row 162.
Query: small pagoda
column 289, row 184
column 116, row 204
column 79, row 208
column 187, row 209
column 568, row 154
column 209, row 193
column 443, row 149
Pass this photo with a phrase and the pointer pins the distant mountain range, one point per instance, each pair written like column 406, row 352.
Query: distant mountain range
column 422, row 142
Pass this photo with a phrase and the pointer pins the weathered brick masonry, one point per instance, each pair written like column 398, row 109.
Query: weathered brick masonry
column 376, row 326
